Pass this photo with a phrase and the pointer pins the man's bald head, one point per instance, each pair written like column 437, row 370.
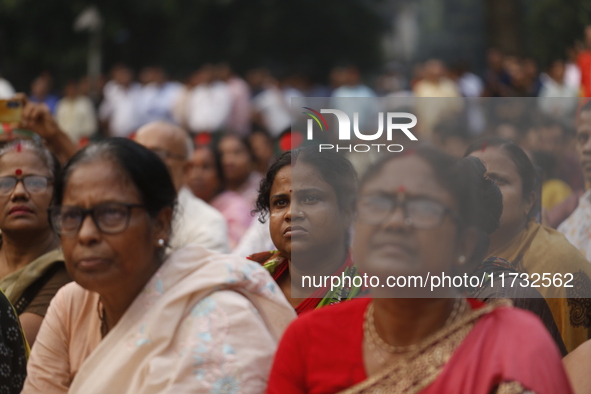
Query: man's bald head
column 171, row 143
column 167, row 136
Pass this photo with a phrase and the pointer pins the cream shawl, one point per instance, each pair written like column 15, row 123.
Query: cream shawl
column 205, row 322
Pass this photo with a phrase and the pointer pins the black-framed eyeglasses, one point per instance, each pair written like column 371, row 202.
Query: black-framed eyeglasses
column 109, row 218
column 164, row 154
column 33, row 183
column 420, row 213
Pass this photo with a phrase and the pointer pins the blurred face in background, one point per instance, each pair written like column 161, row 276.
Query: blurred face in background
column 434, row 70
column 551, row 139
column 556, row 71
column 71, row 90
column 588, row 36
column 262, row 147
column 494, row 58
column 203, row 178
column 257, row 78
column 236, row 160
column 147, row 75
column 122, row 75
column 223, row 71
column 338, row 77
column 584, row 143
column 501, row 168
column 40, row 87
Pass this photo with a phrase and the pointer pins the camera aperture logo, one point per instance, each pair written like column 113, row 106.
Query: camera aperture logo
column 344, row 130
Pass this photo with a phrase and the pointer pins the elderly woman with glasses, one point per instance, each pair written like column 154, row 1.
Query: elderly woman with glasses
column 135, row 320
column 417, row 217
column 32, row 266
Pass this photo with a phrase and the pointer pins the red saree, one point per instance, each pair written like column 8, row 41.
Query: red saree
column 493, row 347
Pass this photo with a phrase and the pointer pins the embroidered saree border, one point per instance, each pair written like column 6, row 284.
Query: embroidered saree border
column 420, row 368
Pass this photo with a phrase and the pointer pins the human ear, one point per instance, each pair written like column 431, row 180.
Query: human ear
column 187, row 166
column 529, row 203
column 163, row 226
column 467, row 246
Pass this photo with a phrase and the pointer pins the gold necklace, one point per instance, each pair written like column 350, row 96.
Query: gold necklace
column 377, row 343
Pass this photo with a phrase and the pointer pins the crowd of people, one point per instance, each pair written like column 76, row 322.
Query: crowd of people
column 154, row 236
column 116, row 270
column 215, row 98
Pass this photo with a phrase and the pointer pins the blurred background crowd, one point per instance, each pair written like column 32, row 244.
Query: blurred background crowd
column 217, row 67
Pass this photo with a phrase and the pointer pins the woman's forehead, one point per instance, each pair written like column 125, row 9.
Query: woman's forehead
column 25, row 158
column 409, row 173
column 99, row 180
column 304, row 175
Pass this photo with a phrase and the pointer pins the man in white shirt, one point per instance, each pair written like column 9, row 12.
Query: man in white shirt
column 195, row 221
column 157, row 96
column 118, row 108
column 239, row 116
column 75, row 113
column 557, row 98
column 209, row 103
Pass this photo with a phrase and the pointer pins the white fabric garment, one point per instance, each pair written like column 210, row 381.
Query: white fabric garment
column 119, row 108
column 256, row 239
column 76, row 117
column 274, row 110
column 197, row 222
column 239, row 117
column 470, row 85
column 572, row 76
column 208, row 107
column 577, row 227
column 557, row 98
column 204, row 323
column 155, row 102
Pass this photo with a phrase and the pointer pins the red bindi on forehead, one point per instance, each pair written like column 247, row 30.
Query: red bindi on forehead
column 18, row 171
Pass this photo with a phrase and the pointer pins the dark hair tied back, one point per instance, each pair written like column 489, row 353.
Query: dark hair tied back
column 142, row 167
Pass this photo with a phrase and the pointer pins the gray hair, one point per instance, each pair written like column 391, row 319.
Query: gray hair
column 46, row 157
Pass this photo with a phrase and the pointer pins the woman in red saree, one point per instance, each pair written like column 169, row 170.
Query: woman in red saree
column 395, row 344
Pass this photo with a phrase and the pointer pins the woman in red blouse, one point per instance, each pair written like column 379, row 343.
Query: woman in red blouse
column 417, row 216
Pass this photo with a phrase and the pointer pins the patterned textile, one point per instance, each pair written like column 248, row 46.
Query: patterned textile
column 276, row 264
column 13, row 350
column 577, row 227
column 539, row 250
column 205, row 322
